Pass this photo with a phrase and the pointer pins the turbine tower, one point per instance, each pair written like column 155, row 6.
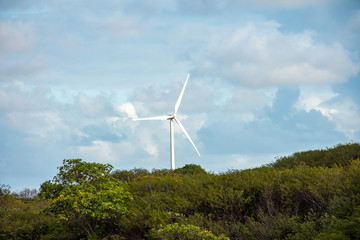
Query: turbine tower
column 172, row 118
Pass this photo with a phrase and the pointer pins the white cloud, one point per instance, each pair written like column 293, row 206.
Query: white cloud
column 145, row 139
column 101, row 151
column 260, row 55
column 117, row 25
column 343, row 113
column 19, row 55
column 160, row 99
column 346, row 117
column 38, row 124
column 247, row 99
column 26, row 66
column 92, row 106
column 20, row 97
column 127, row 109
column 312, row 99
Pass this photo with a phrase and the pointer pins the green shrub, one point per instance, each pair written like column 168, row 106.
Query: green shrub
column 189, row 232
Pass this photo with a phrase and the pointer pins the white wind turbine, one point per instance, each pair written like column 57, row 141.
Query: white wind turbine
column 172, row 117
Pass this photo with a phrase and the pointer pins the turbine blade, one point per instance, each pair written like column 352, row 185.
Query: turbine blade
column 186, row 133
column 152, row 118
column 177, row 105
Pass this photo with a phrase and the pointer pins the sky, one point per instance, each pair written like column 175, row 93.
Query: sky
column 267, row 79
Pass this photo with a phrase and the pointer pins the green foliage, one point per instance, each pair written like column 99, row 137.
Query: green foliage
column 103, row 201
column 23, row 220
column 190, row 169
column 265, row 226
column 340, row 155
column 129, row 175
column 4, row 190
column 87, row 194
column 74, row 172
column 189, row 232
column 316, row 197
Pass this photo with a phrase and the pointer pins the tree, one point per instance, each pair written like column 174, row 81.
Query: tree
column 4, row 190
column 87, row 194
column 191, row 169
column 26, row 193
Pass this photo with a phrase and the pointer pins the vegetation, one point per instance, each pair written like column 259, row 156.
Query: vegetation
column 86, row 194
column 339, row 155
column 308, row 195
column 176, row 231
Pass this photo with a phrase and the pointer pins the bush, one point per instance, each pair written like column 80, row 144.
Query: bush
column 191, row 169
column 189, row 232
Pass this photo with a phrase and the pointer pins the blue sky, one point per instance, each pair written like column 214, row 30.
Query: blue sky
column 267, row 78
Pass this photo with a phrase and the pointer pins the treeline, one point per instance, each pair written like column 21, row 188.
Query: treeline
column 308, row 195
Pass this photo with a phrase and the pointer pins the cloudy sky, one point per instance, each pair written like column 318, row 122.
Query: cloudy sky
column 267, row 79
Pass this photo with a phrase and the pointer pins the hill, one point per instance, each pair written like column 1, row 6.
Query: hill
column 340, row 155
column 308, row 195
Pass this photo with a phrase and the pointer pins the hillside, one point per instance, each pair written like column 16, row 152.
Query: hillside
column 340, row 155
column 308, row 195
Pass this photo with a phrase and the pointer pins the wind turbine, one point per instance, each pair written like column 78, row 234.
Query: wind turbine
column 172, row 118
